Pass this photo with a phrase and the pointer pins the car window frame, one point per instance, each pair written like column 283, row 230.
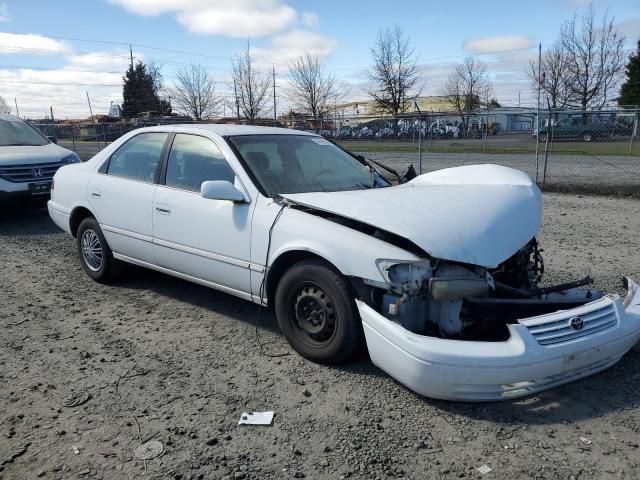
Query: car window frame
column 162, row 175
column 104, row 167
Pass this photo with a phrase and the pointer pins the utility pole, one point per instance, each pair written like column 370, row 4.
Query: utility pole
column 273, row 70
column 518, row 98
column 89, row 102
column 17, row 111
column 131, row 56
column 51, row 110
column 538, row 111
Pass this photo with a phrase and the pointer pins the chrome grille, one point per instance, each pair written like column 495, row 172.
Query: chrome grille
column 30, row 173
column 558, row 328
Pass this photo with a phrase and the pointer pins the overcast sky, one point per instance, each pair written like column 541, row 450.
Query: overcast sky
column 52, row 52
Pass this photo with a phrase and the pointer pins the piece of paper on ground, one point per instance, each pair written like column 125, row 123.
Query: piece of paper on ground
column 256, row 418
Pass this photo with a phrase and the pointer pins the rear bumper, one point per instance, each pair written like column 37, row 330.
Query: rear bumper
column 485, row 371
column 59, row 216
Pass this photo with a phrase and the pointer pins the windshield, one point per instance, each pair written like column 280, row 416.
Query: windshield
column 302, row 163
column 16, row 132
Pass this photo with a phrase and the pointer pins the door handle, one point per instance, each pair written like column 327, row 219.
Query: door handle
column 164, row 210
column 96, row 194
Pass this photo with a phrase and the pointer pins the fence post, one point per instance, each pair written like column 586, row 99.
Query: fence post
column 73, row 137
column 484, row 133
column 538, row 140
column 634, row 131
column 546, row 148
column 420, row 145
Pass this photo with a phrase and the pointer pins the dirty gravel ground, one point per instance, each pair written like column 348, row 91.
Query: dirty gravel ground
column 176, row 362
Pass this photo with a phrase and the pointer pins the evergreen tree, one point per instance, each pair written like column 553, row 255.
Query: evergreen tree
column 140, row 91
column 630, row 90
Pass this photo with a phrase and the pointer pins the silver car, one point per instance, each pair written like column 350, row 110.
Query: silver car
column 28, row 161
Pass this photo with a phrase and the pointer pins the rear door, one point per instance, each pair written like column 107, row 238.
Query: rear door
column 203, row 238
column 121, row 195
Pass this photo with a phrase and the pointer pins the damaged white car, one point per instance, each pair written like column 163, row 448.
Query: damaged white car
column 439, row 275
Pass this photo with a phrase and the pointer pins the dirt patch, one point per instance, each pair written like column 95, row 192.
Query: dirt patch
column 91, row 372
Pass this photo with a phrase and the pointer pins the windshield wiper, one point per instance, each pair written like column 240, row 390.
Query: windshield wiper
column 369, row 163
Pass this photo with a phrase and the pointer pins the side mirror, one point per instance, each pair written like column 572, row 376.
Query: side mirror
column 52, row 139
column 221, row 190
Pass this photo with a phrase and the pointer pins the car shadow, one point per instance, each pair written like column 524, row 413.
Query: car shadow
column 16, row 221
column 594, row 396
column 236, row 308
column 138, row 278
column 591, row 397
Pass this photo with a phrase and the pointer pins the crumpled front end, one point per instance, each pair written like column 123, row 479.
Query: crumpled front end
column 541, row 352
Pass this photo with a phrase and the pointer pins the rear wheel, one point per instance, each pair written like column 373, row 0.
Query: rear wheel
column 317, row 313
column 95, row 255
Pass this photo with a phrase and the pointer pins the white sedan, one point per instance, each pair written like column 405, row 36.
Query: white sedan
column 439, row 275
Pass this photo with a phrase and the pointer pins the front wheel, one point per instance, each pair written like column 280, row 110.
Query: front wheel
column 317, row 313
column 95, row 255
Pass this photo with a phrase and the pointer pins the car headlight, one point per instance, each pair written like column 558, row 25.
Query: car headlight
column 71, row 158
column 402, row 275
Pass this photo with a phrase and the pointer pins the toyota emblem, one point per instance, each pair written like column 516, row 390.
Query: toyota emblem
column 36, row 172
column 576, row 323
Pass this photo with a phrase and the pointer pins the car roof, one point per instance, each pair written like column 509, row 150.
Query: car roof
column 230, row 129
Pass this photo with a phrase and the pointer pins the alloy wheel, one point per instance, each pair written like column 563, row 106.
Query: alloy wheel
column 91, row 250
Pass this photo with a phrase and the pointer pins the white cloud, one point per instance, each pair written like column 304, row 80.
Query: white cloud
column 240, row 18
column 64, row 90
column 101, row 61
column 310, row 19
column 292, row 44
column 31, row 43
column 495, row 44
column 4, row 12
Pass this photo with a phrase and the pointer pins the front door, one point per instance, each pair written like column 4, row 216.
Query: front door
column 203, row 238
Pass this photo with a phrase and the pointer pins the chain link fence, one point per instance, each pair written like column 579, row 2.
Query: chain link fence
column 591, row 152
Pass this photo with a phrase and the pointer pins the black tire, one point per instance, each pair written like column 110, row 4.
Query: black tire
column 542, row 137
column 317, row 313
column 91, row 238
column 587, row 137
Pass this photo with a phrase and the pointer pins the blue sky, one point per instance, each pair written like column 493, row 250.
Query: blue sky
column 51, row 69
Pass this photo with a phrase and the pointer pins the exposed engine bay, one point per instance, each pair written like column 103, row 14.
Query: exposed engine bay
column 466, row 302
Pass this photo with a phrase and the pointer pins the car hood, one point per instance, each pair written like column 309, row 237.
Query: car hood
column 29, row 155
column 477, row 214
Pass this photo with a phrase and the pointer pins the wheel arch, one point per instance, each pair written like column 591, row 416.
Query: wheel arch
column 78, row 214
column 286, row 260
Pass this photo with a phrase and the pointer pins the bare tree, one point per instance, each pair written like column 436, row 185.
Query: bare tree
column 595, row 59
column 468, row 86
column 252, row 86
column 395, row 74
column 4, row 106
column 553, row 76
column 194, row 92
column 311, row 90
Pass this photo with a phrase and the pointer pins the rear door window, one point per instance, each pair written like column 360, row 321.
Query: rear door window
column 139, row 157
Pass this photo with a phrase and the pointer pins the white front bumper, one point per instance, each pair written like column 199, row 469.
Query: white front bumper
column 483, row 371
